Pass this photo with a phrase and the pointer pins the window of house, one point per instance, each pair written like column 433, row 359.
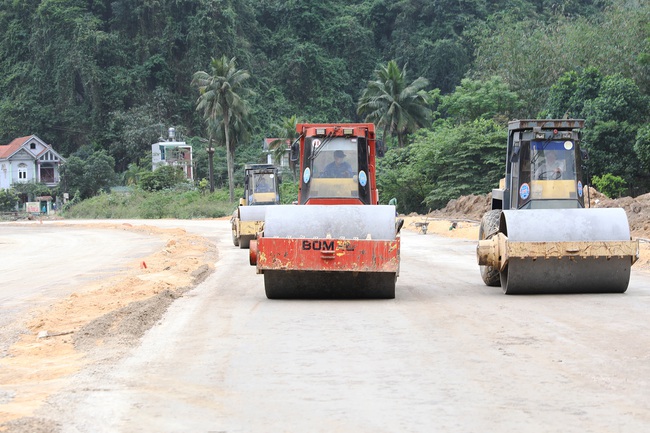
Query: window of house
column 32, row 146
column 22, row 171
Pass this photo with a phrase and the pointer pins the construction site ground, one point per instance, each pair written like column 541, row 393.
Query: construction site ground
column 75, row 335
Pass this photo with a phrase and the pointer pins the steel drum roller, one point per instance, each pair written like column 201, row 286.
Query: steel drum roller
column 321, row 221
column 253, row 213
column 566, row 274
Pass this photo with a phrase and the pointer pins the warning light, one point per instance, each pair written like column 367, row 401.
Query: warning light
column 348, row 131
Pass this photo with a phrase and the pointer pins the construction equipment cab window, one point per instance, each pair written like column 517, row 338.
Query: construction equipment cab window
column 338, row 168
column 545, row 174
column 263, row 183
column 553, row 162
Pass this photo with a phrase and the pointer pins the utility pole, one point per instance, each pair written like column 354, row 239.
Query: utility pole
column 211, row 168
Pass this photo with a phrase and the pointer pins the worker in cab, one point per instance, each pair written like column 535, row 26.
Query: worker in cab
column 262, row 185
column 551, row 167
column 339, row 167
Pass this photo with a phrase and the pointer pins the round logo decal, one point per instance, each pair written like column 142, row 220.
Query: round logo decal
column 524, row 191
column 579, row 188
column 568, row 145
column 363, row 179
column 306, row 175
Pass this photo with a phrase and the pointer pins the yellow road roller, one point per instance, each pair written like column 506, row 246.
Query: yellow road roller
column 539, row 238
column 261, row 190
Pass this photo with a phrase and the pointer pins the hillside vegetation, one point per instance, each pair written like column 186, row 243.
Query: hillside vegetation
column 109, row 77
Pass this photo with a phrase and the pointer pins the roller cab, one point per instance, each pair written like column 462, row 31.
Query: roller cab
column 337, row 242
column 538, row 238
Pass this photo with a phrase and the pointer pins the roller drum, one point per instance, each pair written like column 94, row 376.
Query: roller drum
column 566, row 225
column 322, row 221
column 253, row 213
column 566, row 274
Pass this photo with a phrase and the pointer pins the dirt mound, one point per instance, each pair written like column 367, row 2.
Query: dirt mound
column 637, row 210
column 470, row 207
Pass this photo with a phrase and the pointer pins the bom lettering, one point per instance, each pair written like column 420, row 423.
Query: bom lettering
column 317, row 245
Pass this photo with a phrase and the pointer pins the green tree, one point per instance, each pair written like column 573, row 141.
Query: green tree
column 285, row 132
column 8, row 200
column 72, row 177
column 459, row 159
column 132, row 174
column 531, row 54
column 31, row 189
column 618, row 99
column 610, row 185
column 611, row 150
column 430, row 35
column 100, row 172
column 615, row 111
column 239, row 135
column 443, row 163
column 221, row 100
column 88, row 172
column 395, row 105
column 642, row 145
column 397, row 177
column 477, row 99
column 567, row 97
column 164, row 177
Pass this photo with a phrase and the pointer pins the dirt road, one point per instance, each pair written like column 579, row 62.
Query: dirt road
column 448, row 354
column 89, row 254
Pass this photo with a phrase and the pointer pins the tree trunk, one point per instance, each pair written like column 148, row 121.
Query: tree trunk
column 230, row 157
column 211, row 166
column 401, row 138
column 385, row 138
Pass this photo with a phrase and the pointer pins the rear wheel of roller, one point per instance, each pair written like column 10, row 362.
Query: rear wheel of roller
column 235, row 241
column 329, row 285
column 488, row 228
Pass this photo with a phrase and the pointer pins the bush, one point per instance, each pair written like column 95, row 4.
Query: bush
column 288, row 192
column 610, row 185
column 141, row 204
column 164, row 177
column 8, row 200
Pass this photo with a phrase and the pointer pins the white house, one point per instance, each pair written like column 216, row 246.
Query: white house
column 172, row 152
column 29, row 159
column 284, row 161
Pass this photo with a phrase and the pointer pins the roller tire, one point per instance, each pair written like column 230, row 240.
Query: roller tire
column 244, row 243
column 488, row 228
column 235, row 239
column 328, row 285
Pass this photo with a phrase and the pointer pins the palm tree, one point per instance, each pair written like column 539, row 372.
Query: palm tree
column 222, row 102
column 392, row 104
column 285, row 131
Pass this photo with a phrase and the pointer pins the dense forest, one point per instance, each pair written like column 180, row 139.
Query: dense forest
column 106, row 76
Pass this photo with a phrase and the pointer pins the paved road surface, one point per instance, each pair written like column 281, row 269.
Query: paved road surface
column 447, row 355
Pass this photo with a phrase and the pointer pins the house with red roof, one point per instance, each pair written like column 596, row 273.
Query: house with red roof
column 29, row 159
